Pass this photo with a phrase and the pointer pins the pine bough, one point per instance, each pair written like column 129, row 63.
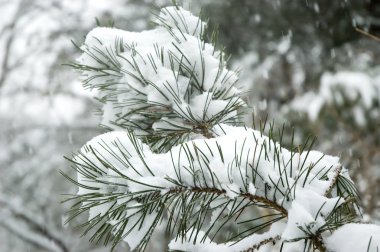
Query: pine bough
column 176, row 155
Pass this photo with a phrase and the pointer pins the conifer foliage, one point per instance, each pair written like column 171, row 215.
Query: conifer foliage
column 177, row 154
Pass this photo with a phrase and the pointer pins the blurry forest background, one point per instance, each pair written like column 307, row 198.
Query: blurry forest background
column 303, row 63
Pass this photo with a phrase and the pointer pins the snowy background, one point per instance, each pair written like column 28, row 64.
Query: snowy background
column 303, row 62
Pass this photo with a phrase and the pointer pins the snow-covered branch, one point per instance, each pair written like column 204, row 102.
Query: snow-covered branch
column 171, row 89
column 178, row 157
column 238, row 165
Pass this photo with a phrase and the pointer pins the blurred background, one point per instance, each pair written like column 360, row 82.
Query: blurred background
column 303, row 62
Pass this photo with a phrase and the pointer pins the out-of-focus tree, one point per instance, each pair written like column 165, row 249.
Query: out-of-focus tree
column 44, row 114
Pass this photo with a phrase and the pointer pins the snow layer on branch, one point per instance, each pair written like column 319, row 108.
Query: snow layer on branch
column 146, row 77
column 113, row 150
column 183, row 20
column 208, row 246
column 307, row 212
column 355, row 237
column 189, row 245
column 237, row 163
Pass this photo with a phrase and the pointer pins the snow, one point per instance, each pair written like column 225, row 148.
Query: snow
column 134, row 238
column 167, row 80
column 105, row 144
column 355, row 237
column 27, row 225
column 148, row 69
column 208, row 246
column 336, row 89
column 309, row 103
column 178, row 18
column 240, row 153
column 252, row 189
column 54, row 110
column 285, row 44
column 307, row 212
column 275, row 231
column 353, row 85
column 197, row 246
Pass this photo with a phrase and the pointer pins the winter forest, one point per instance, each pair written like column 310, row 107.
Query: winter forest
column 160, row 125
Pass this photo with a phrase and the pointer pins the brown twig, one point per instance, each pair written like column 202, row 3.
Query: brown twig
column 367, row 34
column 338, row 170
column 318, row 243
column 251, row 197
column 263, row 242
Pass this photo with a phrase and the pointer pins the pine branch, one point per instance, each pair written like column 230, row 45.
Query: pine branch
column 253, row 198
column 166, row 191
column 178, row 161
column 148, row 83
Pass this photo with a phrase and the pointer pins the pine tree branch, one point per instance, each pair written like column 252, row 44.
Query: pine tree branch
column 253, row 198
column 165, row 95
